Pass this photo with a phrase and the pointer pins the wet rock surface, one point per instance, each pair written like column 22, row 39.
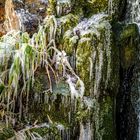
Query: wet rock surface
column 127, row 98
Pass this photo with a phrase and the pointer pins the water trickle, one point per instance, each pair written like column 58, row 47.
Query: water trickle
column 86, row 131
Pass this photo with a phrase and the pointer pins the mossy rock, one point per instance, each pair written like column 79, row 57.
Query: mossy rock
column 83, row 7
column 105, row 129
column 128, row 40
column 84, row 62
column 130, row 30
column 90, row 7
column 51, row 131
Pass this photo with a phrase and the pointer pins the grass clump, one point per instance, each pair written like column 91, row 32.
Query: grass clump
column 21, row 56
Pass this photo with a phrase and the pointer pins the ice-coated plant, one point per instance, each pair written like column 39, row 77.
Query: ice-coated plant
column 22, row 55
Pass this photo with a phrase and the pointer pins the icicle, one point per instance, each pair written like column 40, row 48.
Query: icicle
column 69, row 116
column 110, row 7
column 98, row 72
column 74, row 92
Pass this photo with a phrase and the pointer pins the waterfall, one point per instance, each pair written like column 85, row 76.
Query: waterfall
column 133, row 12
column 135, row 97
column 133, row 16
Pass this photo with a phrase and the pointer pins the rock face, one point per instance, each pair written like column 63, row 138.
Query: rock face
column 2, row 17
column 102, row 52
column 12, row 21
column 24, row 15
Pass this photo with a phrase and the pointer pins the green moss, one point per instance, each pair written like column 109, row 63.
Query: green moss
column 88, row 8
column 6, row 133
column 77, row 7
column 65, row 23
column 84, row 61
column 51, row 10
column 2, row 87
column 104, row 119
column 130, row 30
column 128, row 54
column 70, row 42
column 128, row 40
column 107, row 115
column 52, row 130
column 95, row 6
column 84, row 112
column 41, row 82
